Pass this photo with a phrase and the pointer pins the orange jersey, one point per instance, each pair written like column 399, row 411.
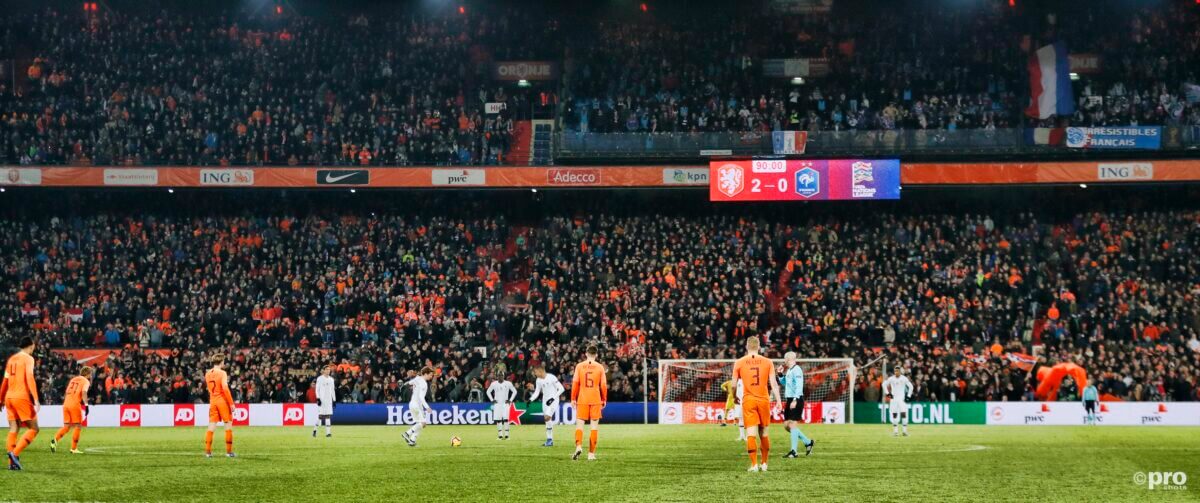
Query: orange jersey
column 217, row 382
column 76, row 391
column 589, row 386
column 18, row 375
column 756, row 373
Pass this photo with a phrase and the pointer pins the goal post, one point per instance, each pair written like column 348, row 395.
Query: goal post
column 689, row 391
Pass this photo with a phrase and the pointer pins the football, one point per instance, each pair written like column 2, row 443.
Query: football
column 455, row 441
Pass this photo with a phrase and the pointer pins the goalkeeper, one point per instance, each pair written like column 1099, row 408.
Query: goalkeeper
column 733, row 407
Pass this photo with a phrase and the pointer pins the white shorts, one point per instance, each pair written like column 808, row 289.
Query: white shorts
column 897, row 406
column 550, row 409
column 325, row 409
column 735, row 413
column 499, row 412
column 418, row 413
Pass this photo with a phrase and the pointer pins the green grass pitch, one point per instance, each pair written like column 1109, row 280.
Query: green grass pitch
column 637, row 463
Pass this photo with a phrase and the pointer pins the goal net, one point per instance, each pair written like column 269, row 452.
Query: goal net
column 689, row 391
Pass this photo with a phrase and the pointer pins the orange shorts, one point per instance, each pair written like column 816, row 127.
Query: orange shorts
column 19, row 410
column 72, row 414
column 756, row 413
column 219, row 412
column 588, row 412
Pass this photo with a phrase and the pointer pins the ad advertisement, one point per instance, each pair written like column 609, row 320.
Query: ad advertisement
column 1109, row 413
column 714, row 412
column 1120, row 137
column 924, row 413
column 804, row 180
column 151, row 415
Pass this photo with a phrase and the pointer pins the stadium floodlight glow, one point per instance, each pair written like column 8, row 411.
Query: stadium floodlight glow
column 1083, row 185
column 170, row 191
column 352, row 191
column 1074, row 76
column 797, row 81
column 533, row 190
column 522, row 83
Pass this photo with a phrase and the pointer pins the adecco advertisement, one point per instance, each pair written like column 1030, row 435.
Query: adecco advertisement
column 1110, row 413
column 924, row 413
column 139, row 415
column 714, row 412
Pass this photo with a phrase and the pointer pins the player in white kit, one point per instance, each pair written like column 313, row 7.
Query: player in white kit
column 549, row 389
column 326, row 396
column 898, row 389
column 502, row 393
column 417, row 406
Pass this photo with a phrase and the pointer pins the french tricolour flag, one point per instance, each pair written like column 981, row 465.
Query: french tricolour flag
column 1050, row 82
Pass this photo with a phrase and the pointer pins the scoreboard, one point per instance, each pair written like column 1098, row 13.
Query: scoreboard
column 804, row 180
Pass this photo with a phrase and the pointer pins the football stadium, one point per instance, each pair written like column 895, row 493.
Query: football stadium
column 600, row 250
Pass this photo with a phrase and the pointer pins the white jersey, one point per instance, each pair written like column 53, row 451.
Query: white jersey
column 501, row 392
column 901, row 390
column 548, row 388
column 417, row 404
column 326, row 395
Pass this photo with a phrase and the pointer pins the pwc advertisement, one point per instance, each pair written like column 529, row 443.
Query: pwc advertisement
column 804, row 180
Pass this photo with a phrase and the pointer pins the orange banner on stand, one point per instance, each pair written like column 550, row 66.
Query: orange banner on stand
column 911, row 174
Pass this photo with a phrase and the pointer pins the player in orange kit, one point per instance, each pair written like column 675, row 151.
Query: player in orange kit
column 220, row 405
column 756, row 372
column 589, row 394
column 19, row 390
column 73, row 408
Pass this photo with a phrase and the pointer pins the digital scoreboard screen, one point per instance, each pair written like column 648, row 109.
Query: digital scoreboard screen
column 804, row 180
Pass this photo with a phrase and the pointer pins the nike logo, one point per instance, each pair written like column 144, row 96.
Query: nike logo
column 329, row 178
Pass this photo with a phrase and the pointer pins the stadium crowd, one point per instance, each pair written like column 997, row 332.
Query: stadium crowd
column 873, row 69
column 285, row 290
column 125, row 87
column 117, row 88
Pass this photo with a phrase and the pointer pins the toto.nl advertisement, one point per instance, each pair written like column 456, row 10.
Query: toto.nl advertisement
column 923, row 412
column 296, row 414
column 1109, row 413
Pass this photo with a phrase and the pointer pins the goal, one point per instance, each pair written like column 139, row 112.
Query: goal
column 689, row 391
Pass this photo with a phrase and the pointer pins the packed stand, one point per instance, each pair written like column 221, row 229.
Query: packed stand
column 699, row 72
column 125, row 88
column 286, row 290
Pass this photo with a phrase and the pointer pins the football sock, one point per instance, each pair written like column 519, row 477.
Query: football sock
column 208, row 442
column 75, row 438
column 228, row 441
column 25, row 441
column 499, row 429
column 752, row 449
column 11, row 442
column 799, row 435
column 595, row 436
column 549, row 430
column 766, row 449
column 62, row 432
column 741, row 432
column 578, row 437
column 328, row 426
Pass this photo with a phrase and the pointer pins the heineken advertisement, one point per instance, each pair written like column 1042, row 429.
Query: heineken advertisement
column 924, row 413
